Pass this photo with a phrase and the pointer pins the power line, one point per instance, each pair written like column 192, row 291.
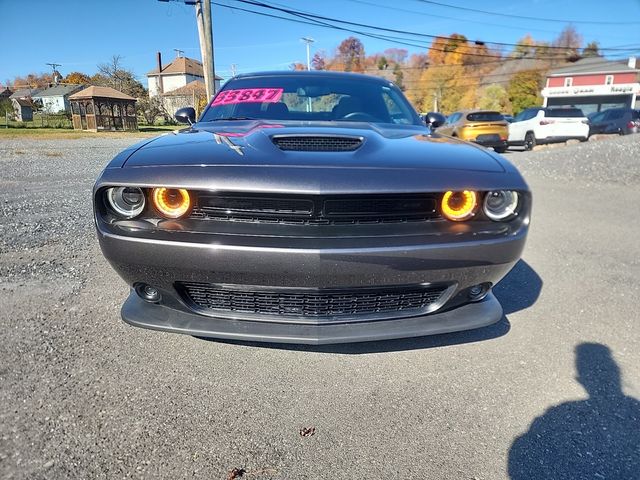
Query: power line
column 457, row 19
column 523, row 17
column 390, row 30
column 390, row 39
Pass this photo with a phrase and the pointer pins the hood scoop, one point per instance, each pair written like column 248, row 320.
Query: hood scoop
column 317, row 143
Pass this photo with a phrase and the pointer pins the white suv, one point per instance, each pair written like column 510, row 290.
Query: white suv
column 547, row 125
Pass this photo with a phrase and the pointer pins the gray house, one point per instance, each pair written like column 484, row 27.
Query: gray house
column 25, row 93
column 56, row 99
column 22, row 109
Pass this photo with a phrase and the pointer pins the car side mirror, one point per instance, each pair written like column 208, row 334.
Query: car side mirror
column 434, row 120
column 186, row 115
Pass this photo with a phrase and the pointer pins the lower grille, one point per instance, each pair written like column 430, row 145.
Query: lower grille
column 338, row 304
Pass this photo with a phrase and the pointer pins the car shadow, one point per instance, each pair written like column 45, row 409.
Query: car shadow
column 518, row 290
column 598, row 437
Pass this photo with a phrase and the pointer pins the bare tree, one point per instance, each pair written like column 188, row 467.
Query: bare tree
column 568, row 43
column 115, row 75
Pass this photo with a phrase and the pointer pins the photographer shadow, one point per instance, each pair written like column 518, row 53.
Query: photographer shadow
column 598, row 437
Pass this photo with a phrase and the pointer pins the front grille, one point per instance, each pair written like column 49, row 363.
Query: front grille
column 314, row 143
column 234, row 300
column 316, row 210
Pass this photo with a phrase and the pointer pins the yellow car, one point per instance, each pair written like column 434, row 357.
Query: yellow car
column 486, row 128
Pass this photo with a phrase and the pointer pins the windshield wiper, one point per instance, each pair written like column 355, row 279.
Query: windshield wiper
column 232, row 118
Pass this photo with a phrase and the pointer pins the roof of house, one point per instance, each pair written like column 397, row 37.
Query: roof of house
column 182, row 65
column 194, row 87
column 23, row 102
column 58, row 91
column 102, row 92
column 594, row 65
column 5, row 91
column 25, row 92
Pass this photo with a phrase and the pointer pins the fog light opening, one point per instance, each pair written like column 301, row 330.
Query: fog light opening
column 148, row 293
column 478, row 292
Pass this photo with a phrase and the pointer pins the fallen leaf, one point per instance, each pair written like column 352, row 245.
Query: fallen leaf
column 236, row 473
column 307, row 431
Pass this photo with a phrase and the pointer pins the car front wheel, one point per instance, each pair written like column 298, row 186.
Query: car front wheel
column 529, row 141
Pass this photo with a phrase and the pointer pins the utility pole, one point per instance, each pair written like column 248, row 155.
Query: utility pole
column 205, row 35
column 205, row 32
column 56, row 74
column 234, row 69
column 308, row 41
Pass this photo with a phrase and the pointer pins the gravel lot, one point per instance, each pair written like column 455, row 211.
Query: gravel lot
column 549, row 392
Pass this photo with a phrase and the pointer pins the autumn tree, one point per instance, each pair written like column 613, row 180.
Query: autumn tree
column 382, row 63
column 77, row 78
column 524, row 90
column 150, row 108
column 568, row 43
column 297, row 66
column 33, row 80
column 396, row 55
column 494, row 97
column 6, row 107
column 351, row 55
column 318, row 62
column 525, row 47
column 451, row 81
column 591, row 49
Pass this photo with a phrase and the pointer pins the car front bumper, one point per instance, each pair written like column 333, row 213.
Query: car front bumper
column 237, row 261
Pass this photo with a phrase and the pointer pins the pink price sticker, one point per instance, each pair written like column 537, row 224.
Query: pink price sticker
column 248, row 95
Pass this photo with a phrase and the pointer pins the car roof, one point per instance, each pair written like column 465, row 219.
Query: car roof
column 314, row 73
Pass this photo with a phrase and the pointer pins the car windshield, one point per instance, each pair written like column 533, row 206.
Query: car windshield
column 485, row 117
column 302, row 97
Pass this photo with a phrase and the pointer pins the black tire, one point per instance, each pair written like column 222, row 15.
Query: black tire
column 499, row 149
column 529, row 141
column 584, row 139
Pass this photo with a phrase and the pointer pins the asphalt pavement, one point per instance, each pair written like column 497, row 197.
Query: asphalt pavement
column 549, row 392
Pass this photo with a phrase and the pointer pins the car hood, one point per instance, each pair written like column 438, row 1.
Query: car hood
column 249, row 143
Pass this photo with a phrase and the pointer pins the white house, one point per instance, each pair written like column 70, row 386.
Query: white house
column 56, row 99
column 180, row 72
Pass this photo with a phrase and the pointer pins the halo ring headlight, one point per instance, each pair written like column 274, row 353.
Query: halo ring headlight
column 171, row 202
column 459, row 206
column 501, row 204
column 127, row 202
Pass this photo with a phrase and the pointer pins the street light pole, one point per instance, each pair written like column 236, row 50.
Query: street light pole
column 308, row 41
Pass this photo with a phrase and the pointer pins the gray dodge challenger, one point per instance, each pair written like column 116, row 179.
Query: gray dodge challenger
column 310, row 207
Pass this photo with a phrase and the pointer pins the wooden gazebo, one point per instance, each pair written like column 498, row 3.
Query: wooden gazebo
column 103, row 109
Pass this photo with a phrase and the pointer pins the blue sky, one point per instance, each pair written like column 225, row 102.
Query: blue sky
column 82, row 33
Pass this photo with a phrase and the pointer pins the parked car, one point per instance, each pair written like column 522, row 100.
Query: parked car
column 540, row 125
column 485, row 128
column 508, row 118
column 310, row 207
column 615, row 120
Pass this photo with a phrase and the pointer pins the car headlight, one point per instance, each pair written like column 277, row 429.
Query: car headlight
column 128, row 202
column 171, row 202
column 500, row 204
column 459, row 206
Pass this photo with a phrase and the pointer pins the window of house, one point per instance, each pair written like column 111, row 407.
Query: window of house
column 608, row 80
column 568, row 81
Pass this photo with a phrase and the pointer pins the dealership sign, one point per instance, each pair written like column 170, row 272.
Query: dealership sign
column 581, row 91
